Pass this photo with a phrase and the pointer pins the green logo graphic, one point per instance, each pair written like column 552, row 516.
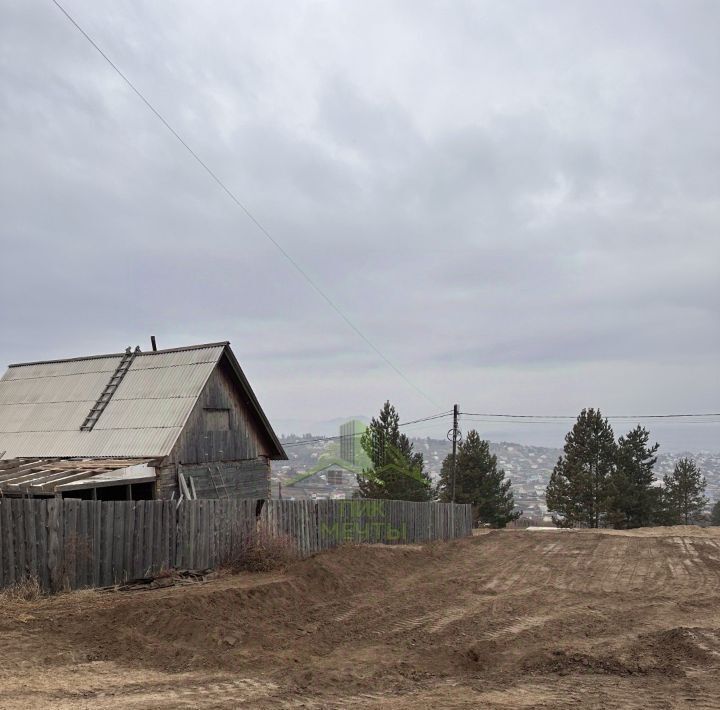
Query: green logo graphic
column 364, row 521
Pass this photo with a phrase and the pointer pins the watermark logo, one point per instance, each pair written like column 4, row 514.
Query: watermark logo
column 395, row 465
column 365, row 521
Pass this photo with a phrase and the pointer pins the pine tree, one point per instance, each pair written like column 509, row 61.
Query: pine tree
column 397, row 472
column 579, row 485
column 715, row 514
column 684, row 493
column 633, row 499
column 479, row 482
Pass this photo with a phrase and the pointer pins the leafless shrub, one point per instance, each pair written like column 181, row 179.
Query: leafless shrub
column 26, row 590
column 262, row 551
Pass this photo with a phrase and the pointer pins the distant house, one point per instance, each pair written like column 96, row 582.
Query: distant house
column 334, row 481
column 135, row 425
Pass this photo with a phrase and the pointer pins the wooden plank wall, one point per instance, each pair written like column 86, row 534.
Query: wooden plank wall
column 230, row 479
column 71, row 544
column 199, row 442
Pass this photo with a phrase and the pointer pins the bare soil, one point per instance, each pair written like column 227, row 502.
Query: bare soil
column 507, row 619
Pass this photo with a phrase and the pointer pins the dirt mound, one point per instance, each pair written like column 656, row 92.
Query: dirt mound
column 564, row 662
column 506, row 619
column 225, row 623
column 680, row 646
column 669, row 652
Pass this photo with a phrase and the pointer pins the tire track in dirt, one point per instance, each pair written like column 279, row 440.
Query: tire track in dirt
column 511, row 619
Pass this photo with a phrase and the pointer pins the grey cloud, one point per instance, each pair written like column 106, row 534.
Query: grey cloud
column 482, row 187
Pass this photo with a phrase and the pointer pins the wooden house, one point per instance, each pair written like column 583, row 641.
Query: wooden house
column 135, row 425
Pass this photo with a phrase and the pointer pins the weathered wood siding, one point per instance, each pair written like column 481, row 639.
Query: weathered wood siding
column 200, row 443
column 233, row 479
column 74, row 544
column 240, row 451
column 225, row 479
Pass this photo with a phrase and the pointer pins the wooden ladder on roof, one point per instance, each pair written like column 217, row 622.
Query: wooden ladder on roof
column 110, row 388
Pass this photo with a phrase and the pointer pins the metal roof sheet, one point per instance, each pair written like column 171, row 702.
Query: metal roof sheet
column 43, row 405
column 144, row 361
column 42, row 416
column 132, row 443
column 165, row 382
column 153, row 413
column 62, row 368
column 78, row 387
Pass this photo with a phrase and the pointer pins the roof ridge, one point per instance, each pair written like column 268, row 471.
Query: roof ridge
column 199, row 346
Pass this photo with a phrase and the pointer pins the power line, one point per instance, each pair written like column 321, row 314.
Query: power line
column 247, row 212
column 547, row 422
column 504, row 421
column 519, row 419
column 610, row 416
column 427, row 419
column 302, row 442
column 332, row 438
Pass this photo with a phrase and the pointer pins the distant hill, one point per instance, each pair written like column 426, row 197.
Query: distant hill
column 528, row 467
column 325, row 427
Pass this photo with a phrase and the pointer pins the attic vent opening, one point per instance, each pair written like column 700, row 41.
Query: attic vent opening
column 110, row 388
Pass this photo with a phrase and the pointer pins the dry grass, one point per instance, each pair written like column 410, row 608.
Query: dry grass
column 26, row 590
column 263, row 551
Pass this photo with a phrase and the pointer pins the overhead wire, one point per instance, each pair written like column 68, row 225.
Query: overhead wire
column 519, row 419
column 318, row 439
column 546, row 418
column 305, row 275
column 315, row 286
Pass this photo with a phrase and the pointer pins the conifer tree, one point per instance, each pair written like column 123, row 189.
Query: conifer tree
column 579, row 484
column 633, row 499
column 684, row 493
column 715, row 514
column 479, row 482
column 397, row 472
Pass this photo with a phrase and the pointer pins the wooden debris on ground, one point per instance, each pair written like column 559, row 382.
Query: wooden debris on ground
column 176, row 578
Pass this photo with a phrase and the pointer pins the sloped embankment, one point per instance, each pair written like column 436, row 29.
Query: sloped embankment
column 506, row 619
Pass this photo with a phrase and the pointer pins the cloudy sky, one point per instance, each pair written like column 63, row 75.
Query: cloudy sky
column 516, row 202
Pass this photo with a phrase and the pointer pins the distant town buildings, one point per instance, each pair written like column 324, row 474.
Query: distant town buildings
column 333, row 482
column 528, row 467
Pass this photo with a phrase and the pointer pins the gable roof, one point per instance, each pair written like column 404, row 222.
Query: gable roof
column 44, row 404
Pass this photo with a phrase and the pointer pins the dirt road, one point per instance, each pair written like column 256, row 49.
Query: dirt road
column 575, row 619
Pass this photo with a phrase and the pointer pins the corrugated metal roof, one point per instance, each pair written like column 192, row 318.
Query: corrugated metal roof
column 43, row 405
column 44, row 416
column 132, row 443
column 154, row 413
column 78, row 387
column 165, row 382
column 58, row 368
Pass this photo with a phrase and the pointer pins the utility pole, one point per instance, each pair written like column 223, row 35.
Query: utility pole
column 454, row 442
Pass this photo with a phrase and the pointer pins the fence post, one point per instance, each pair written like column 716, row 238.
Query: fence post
column 54, row 544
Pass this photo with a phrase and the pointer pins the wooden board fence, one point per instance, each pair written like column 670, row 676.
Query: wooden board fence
column 73, row 544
